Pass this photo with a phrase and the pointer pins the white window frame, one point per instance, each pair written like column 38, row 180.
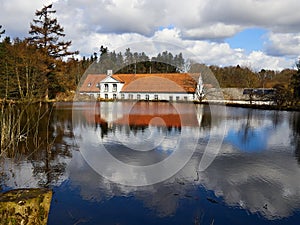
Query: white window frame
column 115, row 87
column 105, row 87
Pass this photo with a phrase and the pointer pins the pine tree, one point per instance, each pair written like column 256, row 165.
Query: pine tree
column 46, row 34
column 1, row 31
column 295, row 82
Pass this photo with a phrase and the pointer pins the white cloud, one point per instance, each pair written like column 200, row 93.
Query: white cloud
column 16, row 15
column 276, row 15
column 211, row 53
column 197, row 25
column 284, row 44
column 211, row 31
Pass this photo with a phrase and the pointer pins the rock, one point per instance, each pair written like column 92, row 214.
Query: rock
column 25, row 206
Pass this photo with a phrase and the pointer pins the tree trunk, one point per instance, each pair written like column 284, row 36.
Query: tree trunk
column 19, row 83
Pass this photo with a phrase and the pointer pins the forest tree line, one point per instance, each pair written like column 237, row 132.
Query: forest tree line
column 41, row 66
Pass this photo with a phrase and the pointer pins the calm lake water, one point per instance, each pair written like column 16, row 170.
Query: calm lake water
column 140, row 163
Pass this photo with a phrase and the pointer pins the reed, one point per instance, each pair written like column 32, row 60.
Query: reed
column 20, row 125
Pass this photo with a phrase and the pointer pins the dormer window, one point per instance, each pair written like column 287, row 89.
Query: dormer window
column 89, row 84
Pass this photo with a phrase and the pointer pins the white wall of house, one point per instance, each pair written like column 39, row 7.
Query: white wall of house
column 110, row 88
column 158, row 96
column 110, row 94
column 91, row 94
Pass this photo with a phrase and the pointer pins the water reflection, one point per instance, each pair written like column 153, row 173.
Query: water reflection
column 42, row 157
column 146, row 143
column 256, row 170
column 254, row 130
column 295, row 125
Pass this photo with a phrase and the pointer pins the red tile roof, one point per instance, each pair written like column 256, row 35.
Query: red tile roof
column 159, row 83
column 91, row 81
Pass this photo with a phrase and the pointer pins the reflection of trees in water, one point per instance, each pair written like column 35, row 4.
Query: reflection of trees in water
column 43, row 133
column 59, row 136
column 295, row 126
column 132, row 129
column 103, row 128
column 277, row 118
column 247, row 131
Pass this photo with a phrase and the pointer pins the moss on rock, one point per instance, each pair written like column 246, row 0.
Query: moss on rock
column 25, row 206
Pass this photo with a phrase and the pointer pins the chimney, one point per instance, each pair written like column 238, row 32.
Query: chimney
column 109, row 73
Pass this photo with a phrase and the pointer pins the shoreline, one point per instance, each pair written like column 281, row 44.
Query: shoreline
column 256, row 106
column 264, row 105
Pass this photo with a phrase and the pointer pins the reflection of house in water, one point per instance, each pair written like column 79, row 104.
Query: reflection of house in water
column 147, row 87
column 142, row 114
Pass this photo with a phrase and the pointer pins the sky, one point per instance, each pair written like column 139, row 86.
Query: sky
column 259, row 34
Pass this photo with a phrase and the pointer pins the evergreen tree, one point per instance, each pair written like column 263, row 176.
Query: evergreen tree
column 46, row 37
column 46, row 34
column 295, row 82
column 1, row 31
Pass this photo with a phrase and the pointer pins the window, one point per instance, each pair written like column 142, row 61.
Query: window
column 138, row 97
column 106, row 87
column 106, row 96
column 114, row 87
column 147, row 97
column 185, row 98
column 114, row 96
column 156, row 97
column 177, row 98
column 130, row 96
column 122, row 96
column 170, row 98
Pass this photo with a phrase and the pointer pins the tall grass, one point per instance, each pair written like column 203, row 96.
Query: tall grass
column 20, row 127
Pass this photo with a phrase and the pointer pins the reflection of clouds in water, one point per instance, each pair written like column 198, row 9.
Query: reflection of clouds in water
column 259, row 183
column 265, row 182
column 281, row 136
column 18, row 174
column 21, row 173
column 262, row 183
column 161, row 197
column 257, row 132
column 145, row 140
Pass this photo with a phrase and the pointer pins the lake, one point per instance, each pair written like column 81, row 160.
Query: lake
column 162, row 163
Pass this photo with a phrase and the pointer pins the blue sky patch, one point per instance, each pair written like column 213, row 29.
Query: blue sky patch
column 251, row 39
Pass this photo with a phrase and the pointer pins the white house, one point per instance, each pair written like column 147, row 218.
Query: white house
column 148, row 87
